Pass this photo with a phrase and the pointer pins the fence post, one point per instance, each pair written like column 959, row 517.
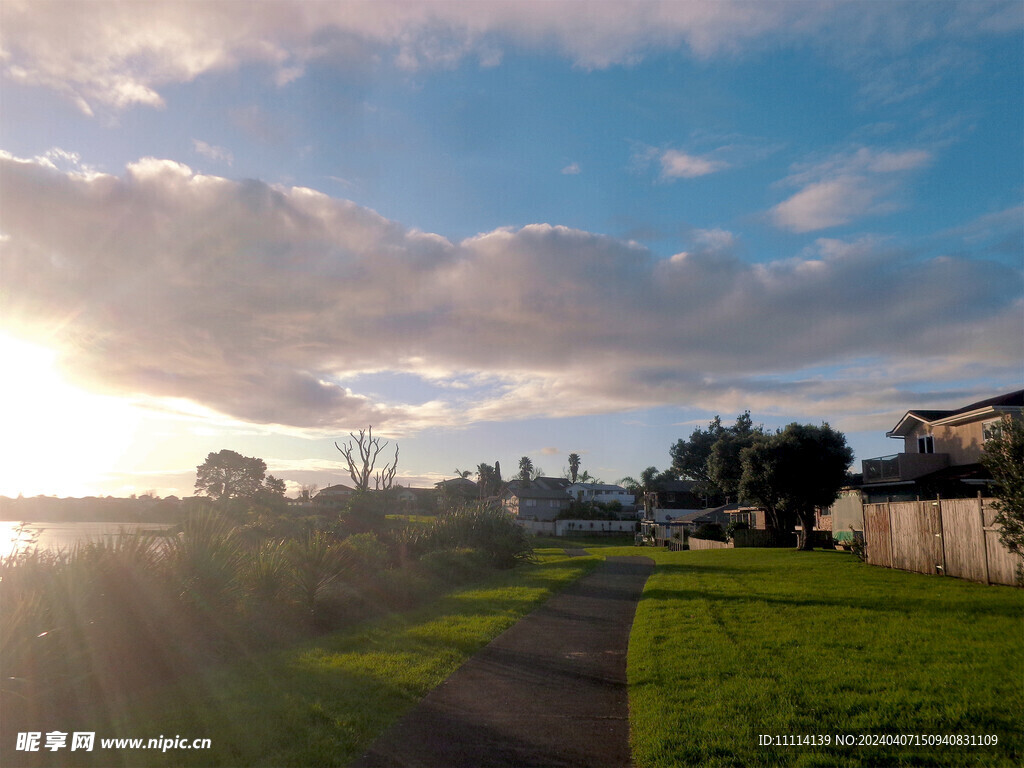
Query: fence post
column 941, row 534
column 984, row 537
column 888, row 509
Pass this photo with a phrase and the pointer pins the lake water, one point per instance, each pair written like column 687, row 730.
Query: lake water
column 64, row 535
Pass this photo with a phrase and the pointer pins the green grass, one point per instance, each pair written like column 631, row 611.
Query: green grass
column 324, row 701
column 731, row 644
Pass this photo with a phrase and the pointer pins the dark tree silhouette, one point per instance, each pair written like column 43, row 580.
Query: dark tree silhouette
column 229, row 475
column 574, row 466
column 361, row 455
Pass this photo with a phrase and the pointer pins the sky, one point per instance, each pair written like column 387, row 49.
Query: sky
column 495, row 229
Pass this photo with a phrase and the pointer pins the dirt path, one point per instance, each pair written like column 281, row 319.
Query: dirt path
column 550, row 691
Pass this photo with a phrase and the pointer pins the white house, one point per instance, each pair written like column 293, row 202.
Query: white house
column 602, row 493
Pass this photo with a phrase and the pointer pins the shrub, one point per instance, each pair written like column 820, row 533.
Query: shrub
column 497, row 536
column 736, row 525
column 710, row 531
column 316, row 560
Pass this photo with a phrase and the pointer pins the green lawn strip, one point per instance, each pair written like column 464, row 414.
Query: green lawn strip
column 731, row 644
column 324, row 701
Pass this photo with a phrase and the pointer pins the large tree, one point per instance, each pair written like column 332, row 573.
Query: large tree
column 724, row 464
column 1004, row 458
column 793, row 472
column 229, row 475
column 690, row 457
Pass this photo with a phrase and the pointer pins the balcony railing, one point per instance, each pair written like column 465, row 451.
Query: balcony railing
column 900, row 467
column 881, row 470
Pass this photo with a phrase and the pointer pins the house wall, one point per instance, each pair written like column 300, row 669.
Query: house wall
column 661, row 515
column 963, row 442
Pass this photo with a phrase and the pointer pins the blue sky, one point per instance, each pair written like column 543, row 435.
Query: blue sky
column 497, row 229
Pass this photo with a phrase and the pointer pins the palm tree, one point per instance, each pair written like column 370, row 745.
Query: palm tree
column 463, row 473
column 574, row 466
column 526, row 468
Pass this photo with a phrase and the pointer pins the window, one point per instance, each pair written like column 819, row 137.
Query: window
column 926, row 444
column 991, row 429
column 531, row 502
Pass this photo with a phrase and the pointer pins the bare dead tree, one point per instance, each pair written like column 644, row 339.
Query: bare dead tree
column 361, row 455
column 385, row 478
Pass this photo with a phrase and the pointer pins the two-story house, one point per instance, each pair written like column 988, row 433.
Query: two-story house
column 941, row 451
column 543, row 498
column 601, row 493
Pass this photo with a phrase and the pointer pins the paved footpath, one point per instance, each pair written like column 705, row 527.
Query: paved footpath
column 550, row 691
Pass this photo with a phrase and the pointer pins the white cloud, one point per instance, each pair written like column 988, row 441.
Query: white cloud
column 213, row 152
column 122, row 54
column 263, row 303
column 679, row 165
column 846, row 187
column 571, row 169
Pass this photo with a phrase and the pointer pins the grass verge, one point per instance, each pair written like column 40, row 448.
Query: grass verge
column 729, row 645
column 324, row 701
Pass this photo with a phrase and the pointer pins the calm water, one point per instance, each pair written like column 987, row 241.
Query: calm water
column 64, row 535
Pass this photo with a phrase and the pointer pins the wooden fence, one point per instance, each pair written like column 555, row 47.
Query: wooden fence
column 696, row 543
column 955, row 537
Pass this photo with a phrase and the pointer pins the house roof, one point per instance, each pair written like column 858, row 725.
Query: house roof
column 598, row 486
column 538, row 493
column 456, row 482
column 333, row 489
column 1011, row 402
column 710, row 515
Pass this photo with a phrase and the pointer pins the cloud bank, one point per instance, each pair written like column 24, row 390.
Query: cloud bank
column 264, row 303
column 121, row 54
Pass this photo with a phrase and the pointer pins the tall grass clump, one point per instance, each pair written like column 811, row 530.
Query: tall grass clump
column 492, row 533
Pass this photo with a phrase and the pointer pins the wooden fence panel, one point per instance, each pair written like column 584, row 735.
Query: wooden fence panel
column 708, row 544
column 1002, row 565
column 970, row 549
column 963, row 539
column 916, row 544
column 876, row 534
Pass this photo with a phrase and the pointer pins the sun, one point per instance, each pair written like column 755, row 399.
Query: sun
column 55, row 438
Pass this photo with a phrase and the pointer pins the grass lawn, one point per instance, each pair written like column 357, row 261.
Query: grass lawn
column 322, row 702
column 728, row 645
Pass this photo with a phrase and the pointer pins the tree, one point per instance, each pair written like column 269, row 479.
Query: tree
column 724, row 465
column 690, row 457
column 793, row 472
column 229, row 475
column 1004, row 458
column 651, row 480
column 526, row 469
column 462, row 474
column 361, row 455
column 487, row 480
column 574, row 466
column 273, row 486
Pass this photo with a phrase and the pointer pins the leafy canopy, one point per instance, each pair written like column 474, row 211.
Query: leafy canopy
column 794, row 471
